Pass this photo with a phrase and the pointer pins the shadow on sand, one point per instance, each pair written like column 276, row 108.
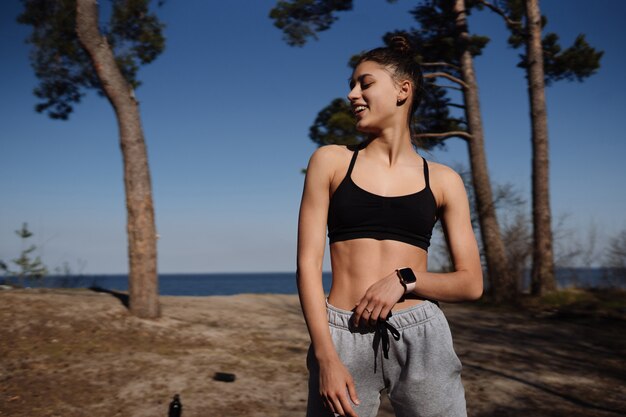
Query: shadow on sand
column 123, row 297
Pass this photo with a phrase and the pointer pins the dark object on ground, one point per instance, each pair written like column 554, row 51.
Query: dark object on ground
column 224, row 377
column 176, row 407
column 123, row 297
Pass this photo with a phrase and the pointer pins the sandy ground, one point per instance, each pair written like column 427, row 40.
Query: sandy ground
column 80, row 353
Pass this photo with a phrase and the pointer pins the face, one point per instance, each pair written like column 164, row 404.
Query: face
column 374, row 96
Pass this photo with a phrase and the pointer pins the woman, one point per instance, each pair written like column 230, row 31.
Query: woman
column 380, row 327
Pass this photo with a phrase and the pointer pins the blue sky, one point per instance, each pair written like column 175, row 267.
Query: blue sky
column 226, row 111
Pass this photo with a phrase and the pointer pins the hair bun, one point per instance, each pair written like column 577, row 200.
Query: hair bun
column 400, row 44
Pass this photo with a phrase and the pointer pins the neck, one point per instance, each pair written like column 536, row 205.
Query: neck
column 390, row 145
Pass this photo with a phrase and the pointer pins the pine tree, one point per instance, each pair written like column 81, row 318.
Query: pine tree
column 29, row 268
column 544, row 62
column 71, row 55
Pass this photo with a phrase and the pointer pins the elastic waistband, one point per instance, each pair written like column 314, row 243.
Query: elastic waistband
column 401, row 319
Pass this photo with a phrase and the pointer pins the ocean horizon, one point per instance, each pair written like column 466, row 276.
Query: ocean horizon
column 182, row 284
column 199, row 284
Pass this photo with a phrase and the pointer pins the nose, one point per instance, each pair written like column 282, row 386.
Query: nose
column 354, row 94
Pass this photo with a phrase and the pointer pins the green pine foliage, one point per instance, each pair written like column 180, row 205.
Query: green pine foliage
column 302, row 19
column 27, row 266
column 575, row 63
column 63, row 67
column 335, row 124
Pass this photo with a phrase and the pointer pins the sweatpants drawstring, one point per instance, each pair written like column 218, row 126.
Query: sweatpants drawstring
column 381, row 334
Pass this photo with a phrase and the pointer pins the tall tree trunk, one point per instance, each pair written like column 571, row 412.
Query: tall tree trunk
column 501, row 279
column 543, row 256
column 142, row 253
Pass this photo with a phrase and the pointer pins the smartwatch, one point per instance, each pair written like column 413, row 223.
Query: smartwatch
column 407, row 279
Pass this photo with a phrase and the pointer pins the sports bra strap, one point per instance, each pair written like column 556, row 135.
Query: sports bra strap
column 426, row 179
column 356, row 152
column 352, row 161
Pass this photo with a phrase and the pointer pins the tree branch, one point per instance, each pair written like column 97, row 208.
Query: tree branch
column 448, row 76
column 445, row 135
column 439, row 64
column 459, row 106
column 501, row 12
column 447, row 86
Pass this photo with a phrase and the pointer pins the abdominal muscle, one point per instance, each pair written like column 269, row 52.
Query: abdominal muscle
column 359, row 263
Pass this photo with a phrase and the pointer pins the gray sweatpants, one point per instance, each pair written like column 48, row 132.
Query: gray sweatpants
column 411, row 356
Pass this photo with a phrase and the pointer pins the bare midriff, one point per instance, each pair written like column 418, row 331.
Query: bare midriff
column 359, row 263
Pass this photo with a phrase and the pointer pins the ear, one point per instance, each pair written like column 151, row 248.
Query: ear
column 404, row 91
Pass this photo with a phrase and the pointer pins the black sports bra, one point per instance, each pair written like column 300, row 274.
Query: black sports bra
column 355, row 213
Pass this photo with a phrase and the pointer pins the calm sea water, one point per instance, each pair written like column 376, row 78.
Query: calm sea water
column 187, row 284
column 279, row 283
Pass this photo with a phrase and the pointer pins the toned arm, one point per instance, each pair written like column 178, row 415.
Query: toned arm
column 466, row 282
column 311, row 242
column 336, row 383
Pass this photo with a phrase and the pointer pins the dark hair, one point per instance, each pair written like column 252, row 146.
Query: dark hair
column 400, row 57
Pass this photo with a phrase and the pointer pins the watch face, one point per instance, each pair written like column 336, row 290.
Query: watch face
column 407, row 275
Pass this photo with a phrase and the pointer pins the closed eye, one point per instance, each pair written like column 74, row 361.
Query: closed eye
column 361, row 80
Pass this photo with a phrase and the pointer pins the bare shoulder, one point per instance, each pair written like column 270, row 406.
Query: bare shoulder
column 329, row 152
column 446, row 183
column 442, row 173
column 327, row 159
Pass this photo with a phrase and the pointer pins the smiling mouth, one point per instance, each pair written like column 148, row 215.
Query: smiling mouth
column 359, row 109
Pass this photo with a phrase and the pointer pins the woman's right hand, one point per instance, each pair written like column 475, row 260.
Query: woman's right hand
column 336, row 384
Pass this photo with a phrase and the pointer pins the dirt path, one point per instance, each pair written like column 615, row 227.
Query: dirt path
column 79, row 353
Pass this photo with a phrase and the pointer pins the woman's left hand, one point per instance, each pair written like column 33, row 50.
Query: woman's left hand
column 378, row 300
